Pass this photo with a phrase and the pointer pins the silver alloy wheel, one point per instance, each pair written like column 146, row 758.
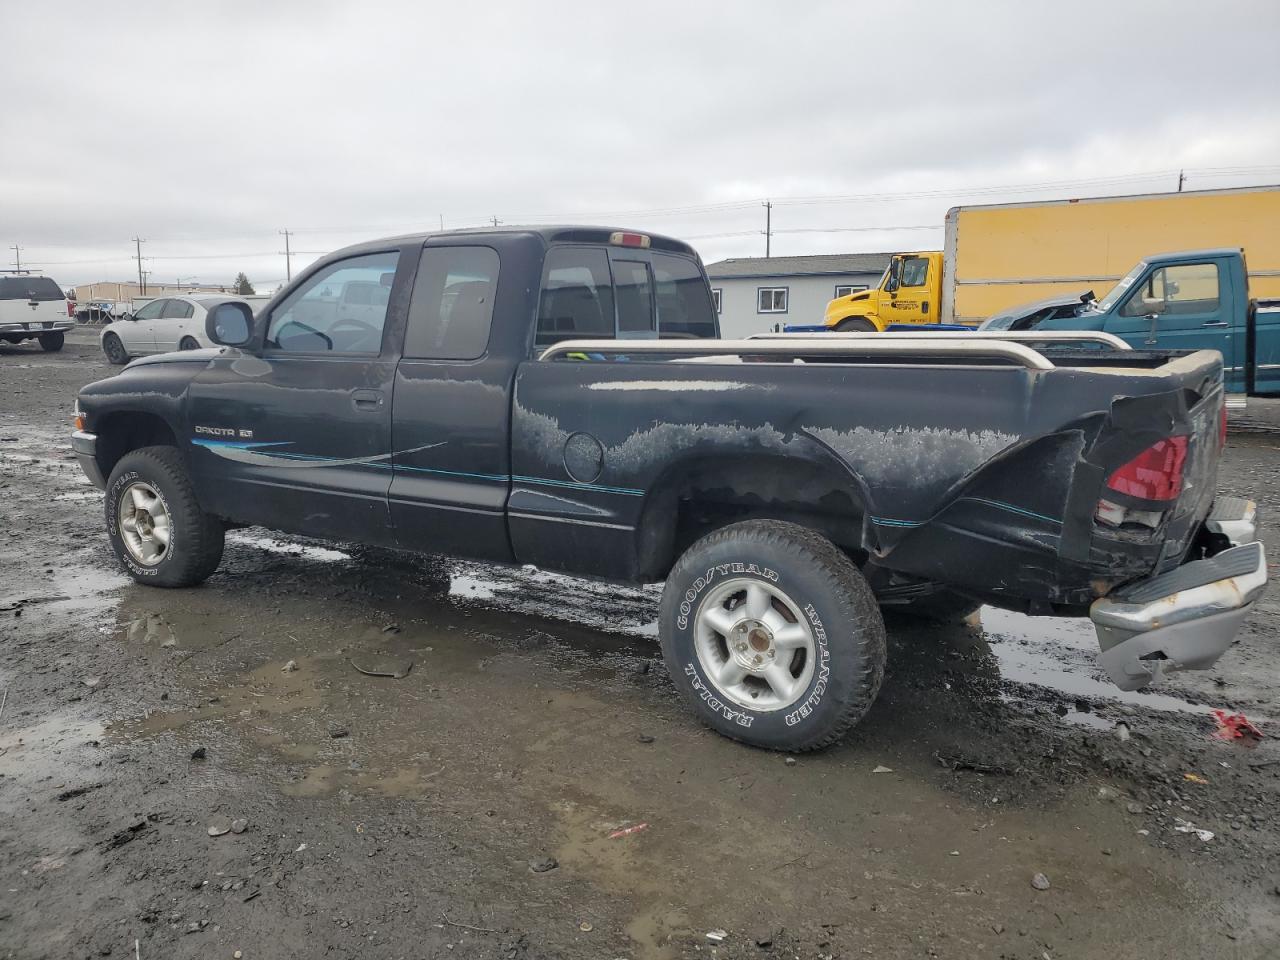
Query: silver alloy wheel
column 754, row 644
column 144, row 523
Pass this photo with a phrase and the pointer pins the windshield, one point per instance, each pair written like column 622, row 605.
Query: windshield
column 1118, row 291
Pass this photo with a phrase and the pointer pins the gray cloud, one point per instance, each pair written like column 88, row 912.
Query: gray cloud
column 206, row 128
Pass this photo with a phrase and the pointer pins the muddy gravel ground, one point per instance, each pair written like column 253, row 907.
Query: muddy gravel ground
column 416, row 815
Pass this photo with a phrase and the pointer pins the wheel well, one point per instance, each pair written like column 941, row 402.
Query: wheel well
column 697, row 498
column 119, row 433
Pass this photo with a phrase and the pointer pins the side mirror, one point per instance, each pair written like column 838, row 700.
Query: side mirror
column 230, row 324
column 1152, row 305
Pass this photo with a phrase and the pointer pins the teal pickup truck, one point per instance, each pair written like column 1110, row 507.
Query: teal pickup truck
column 1193, row 300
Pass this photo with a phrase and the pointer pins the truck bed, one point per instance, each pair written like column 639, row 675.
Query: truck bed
column 916, row 472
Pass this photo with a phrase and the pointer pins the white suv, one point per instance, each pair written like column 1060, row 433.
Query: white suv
column 34, row 307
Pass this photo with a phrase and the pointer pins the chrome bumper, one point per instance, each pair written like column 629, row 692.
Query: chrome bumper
column 55, row 326
column 1187, row 618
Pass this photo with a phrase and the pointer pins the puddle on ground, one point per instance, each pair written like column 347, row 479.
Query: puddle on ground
column 268, row 690
column 593, row 847
column 151, row 629
column 79, row 589
column 1059, row 653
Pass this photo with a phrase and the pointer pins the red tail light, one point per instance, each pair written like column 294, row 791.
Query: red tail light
column 71, row 311
column 1155, row 473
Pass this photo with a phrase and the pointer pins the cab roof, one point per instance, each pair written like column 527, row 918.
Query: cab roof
column 548, row 234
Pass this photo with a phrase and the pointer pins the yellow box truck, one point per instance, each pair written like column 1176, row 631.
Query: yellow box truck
column 1004, row 255
column 999, row 256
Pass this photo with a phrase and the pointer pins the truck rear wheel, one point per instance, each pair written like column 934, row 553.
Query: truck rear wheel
column 154, row 522
column 855, row 325
column 52, row 342
column 772, row 635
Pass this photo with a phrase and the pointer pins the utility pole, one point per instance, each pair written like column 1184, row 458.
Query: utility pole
column 768, row 227
column 442, row 221
column 17, row 257
column 142, row 284
column 495, row 221
column 288, row 257
column 1182, row 176
column 142, row 279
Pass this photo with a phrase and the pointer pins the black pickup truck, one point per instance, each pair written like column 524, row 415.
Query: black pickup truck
column 557, row 396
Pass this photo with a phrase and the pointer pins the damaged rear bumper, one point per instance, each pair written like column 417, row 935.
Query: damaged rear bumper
column 1187, row 618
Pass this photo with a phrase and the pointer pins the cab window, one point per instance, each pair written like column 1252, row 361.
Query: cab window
column 452, row 306
column 151, row 310
column 684, row 308
column 1185, row 288
column 340, row 309
column 634, row 293
column 915, row 271
column 577, row 296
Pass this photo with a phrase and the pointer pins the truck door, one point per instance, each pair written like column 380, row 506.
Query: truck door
column 296, row 435
column 1182, row 306
column 451, row 416
column 910, row 303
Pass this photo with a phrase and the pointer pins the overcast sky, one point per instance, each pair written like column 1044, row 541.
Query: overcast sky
column 206, row 127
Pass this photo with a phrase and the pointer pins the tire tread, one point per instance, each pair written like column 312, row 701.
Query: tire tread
column 845, row 582
column 204, row 536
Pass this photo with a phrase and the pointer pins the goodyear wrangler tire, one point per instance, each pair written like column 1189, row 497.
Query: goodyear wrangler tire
column 154, row 522
column 772, row 635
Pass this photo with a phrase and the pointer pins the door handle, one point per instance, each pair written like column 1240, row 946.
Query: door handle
column 366, row 399
column 1217, row 323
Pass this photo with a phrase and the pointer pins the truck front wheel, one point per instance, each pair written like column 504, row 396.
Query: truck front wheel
column 855, row 325
column 154, row 522
column 772, row 635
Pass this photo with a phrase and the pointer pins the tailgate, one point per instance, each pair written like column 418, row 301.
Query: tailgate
column 35, row 314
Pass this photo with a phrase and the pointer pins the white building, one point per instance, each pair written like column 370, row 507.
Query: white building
column 761, row 294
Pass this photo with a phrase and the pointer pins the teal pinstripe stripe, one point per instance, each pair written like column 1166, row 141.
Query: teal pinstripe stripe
column 493, row 477
column 998, row 504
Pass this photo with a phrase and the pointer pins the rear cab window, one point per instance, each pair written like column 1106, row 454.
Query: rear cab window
column 40, row 289
column 614, row 293
column 576, row 302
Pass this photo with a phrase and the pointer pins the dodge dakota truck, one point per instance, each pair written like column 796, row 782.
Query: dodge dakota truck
column 557, row 396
